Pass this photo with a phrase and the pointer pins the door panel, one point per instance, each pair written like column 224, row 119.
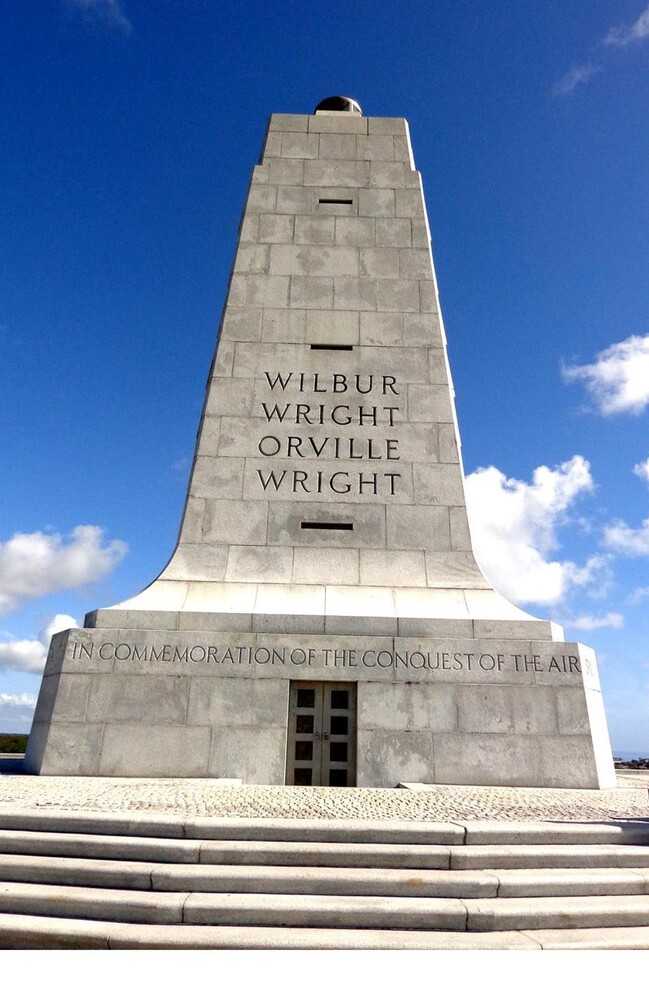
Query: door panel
column 322, row 734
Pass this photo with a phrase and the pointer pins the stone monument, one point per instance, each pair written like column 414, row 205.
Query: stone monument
column 323, row 620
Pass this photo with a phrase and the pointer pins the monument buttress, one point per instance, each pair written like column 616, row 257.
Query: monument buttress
column 323, row 619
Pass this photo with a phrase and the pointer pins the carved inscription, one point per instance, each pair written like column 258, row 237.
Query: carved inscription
column 293, row 433
column 479, row 663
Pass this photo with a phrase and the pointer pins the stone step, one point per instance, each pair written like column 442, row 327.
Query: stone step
column 233, row 909
column 318, row 911
column 472, row 832
column 552, row 856
column 557, row 913
column 83, row 845
column 324, row 881
column 20, row 931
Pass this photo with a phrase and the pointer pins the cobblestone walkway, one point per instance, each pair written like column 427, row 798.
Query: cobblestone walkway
column 203, row 797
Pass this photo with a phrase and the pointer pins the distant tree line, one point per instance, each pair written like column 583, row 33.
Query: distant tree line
column 13, row 742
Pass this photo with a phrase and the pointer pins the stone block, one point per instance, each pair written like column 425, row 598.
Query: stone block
column 252, row 259
column 312, row 293
column 486, row 759
column 217, row 479
column 453, row 569
column 355, row 232
column 261, row 198
column 331, row 326
column 63, row 698
column 381, row 329
column 422, row 331
column 300, row 145
column 314, row 229
column 420, row 233
column 403, row 150
column 249, row 228
column 409, row 204
column 375, row 147
column 134, row 750
column 379, row 263
column 380, row 568
column 393, row 175
column 242, row 323
column 275, row 228
column 237, row 701
column 415, row 264
column 229, row 397
column 312, row 260
column 288, row 123
column 258, row 290
column 259, row 564
column 386, row 758
column 256, row 755
column 284, row 325
column 295, row 200
column 572, row 711
column 236, row 522
column 333, row 566
column 285, row 518
column 438, row 484
column 334, row 200
column 388, row 126
column 65, row 748
column 567, row 762
column 338, row 123
column 339, row 173
column 376, row 203
column 354, row 293
column 222, row 365
column 448, row 450
column 393, row 233
column 337, row 146
column 124, row 698
column 407, row 707
column 460, row 536
column 285, row 171
column 397, row 295
column 428, row 297
column 197, row 562
column 418, row 527
column 484, row 709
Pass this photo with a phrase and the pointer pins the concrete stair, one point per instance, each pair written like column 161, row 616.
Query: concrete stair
column 100, row 881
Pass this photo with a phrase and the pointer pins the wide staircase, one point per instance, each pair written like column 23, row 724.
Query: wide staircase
column 72, row 880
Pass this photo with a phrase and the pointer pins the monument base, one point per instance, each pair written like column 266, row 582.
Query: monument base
column 364, row 710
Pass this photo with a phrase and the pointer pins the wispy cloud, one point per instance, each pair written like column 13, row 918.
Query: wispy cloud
column 620, row 537
column 641, row 469
column 588, row 623
column 574, row 78
column 107, row 13
column 618, row 378
column 626, row 34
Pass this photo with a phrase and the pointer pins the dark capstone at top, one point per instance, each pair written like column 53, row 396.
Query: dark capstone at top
column 339, row 104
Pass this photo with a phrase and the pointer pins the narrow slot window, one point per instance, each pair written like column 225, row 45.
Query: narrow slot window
column 332, row 347
column 328, row 525
column 335, row 201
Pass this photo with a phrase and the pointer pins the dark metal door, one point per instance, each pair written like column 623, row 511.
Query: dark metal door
column 322, row 734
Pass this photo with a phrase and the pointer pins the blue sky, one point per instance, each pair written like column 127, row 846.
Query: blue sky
column 129, row 130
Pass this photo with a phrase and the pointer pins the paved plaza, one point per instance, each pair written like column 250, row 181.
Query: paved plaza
column 210, row 797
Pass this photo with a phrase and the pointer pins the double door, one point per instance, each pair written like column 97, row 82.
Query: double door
column 321, row 734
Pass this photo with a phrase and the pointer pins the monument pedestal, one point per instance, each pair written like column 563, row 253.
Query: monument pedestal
column 323, row 619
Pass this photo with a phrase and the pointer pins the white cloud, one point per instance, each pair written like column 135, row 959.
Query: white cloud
column 40, row 563
column 638, row 595
column 641, row 469
column 588, row 623
column 575, row 77
column 626, row 34
column 28, row 655
column 619, row 537
column 618, row 378
column 109, row 13
column 514, row 526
